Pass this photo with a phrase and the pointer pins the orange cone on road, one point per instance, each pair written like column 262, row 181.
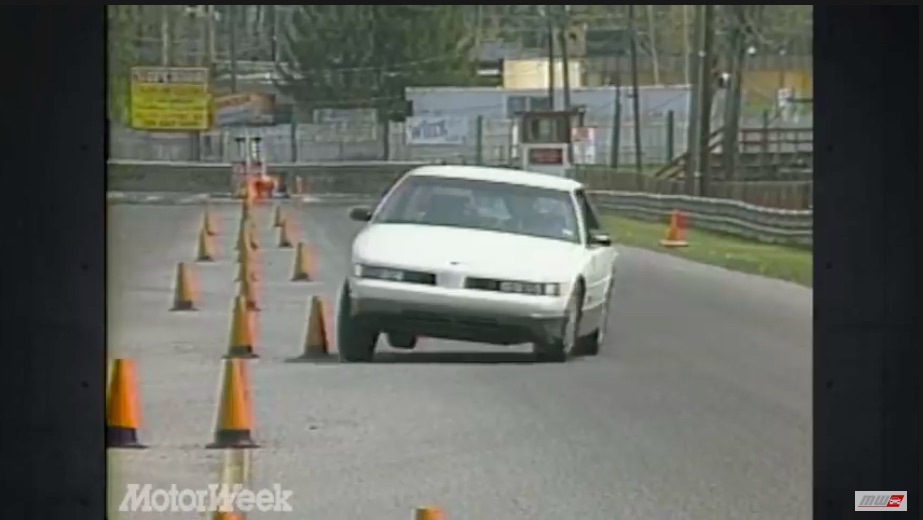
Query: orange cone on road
column 676, row 235
column 236, row 464
column 227, row 515
column 249, row 291
column 184, row 292
column 235, row 417
column 246, row 237
column 206, row 249
column 428, row 513
column 247, row 265
column 316, row 339
column 277, row 218
column 302, row 268
column 208, row 223
column 242, row 336
column 122, row 413
column 285, row 235
column 242, row 237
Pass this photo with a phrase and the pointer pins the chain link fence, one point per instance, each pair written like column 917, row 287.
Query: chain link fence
column 475, row 140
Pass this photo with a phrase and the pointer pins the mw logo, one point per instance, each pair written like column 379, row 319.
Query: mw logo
column 881, row 500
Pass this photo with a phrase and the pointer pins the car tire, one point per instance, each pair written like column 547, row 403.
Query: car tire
column 402, row 341
column 355, row 340
column 589, row 345
column 565, row 345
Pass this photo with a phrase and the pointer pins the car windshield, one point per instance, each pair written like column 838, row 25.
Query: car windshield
column 473, row 204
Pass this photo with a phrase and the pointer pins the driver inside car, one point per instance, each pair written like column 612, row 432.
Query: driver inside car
column 447, row 210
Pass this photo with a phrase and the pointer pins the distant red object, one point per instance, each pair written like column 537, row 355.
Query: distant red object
column 546, row 156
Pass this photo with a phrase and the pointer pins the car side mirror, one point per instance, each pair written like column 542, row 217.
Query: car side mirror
column 600, row 239
column 360, row 214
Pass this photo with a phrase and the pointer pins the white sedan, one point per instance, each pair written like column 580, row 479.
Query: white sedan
column 478, row 254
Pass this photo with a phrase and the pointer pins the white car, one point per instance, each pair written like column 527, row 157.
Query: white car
column 486, row 255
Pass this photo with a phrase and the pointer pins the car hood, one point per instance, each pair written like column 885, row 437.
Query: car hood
column 476, row 252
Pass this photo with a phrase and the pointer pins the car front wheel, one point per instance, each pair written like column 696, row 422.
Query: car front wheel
column 355, row 340
column 589, row 345
column 563, row 346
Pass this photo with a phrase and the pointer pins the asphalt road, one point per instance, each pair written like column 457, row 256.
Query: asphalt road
column 699, row 406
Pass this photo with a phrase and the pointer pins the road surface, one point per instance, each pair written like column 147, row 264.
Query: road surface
column 699, row 406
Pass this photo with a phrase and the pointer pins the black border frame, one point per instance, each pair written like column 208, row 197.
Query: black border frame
column 867, row 259
column 866, row 255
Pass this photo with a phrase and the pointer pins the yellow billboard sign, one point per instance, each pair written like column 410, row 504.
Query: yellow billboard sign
column 170, row 98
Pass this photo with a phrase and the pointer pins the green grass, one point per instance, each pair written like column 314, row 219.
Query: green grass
column 783, row 262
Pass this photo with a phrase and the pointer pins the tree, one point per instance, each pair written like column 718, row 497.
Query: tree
column 122, row 54
column 362, row 56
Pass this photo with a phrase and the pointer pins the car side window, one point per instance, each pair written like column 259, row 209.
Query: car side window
column 590, row 219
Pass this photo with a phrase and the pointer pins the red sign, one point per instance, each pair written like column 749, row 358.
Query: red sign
column 546, row 156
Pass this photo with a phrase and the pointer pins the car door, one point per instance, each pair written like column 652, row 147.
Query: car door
column 601, row 258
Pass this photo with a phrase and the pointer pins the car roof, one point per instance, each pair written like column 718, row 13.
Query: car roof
column 489, row 174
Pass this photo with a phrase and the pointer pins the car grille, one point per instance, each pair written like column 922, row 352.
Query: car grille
column 419, row 278
column 482, row 284
column 430, row 321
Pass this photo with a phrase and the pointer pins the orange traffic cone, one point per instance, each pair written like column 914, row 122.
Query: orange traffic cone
column 285, row 235
column 235, row 417
column 184, row 293
column 250, row 292
column 252, row 235
column 675, row 236
column 246, row 237
column 302, row 269
column 205, row 251
column 208, row 223
column 227, row 515
column 242, row 237
column 235, row 466
column 247, row 265
column 316, row 341
column 122, row 416
column 242, row 344
column 428, row 513
column 277, row 217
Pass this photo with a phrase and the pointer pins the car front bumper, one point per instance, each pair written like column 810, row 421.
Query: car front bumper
column 459, row 314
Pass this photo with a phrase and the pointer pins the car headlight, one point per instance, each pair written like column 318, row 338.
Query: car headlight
column 378, row 273
column 538, row 289
column 394, row 275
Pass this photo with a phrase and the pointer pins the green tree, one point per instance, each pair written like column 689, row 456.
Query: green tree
column 362, row 56
column 121, row 55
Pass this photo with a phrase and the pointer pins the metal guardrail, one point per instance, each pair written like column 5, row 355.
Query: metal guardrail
column 771, row 225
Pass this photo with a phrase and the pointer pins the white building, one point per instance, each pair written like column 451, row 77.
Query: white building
column 497, row 102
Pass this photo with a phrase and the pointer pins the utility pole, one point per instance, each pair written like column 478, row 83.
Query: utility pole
column 565, row 58
column 166, row 40
column 210, row 24
column 274, row 39
column 550, row 28
column 737, row 53
column 232, row 45
column 708, row 82
column 693, row 126
column 686, row 75
column 635, row 94
column 616, row 116
column 201, row 16
column 565, row 77
column 652, row 36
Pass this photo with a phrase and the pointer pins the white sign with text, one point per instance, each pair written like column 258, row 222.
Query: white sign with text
column 436, row 130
